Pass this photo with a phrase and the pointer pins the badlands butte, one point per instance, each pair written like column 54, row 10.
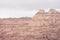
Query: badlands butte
column 42, row 26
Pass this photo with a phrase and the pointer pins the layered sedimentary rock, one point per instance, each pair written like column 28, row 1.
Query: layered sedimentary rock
column 42, row 26
column 47, row 18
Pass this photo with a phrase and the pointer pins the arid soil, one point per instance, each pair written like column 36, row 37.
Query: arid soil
column 42, row 26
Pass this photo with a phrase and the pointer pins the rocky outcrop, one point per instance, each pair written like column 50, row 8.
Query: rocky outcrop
column 42, row 26
column 47, row 17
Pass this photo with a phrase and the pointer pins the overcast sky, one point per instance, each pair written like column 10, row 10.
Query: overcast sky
column 22, row 8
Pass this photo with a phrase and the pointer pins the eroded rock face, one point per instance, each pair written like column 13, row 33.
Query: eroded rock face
column 42, row 26
column 47, row 17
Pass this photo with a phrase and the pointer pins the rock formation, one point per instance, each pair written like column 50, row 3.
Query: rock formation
column 42, row 26
column 47, row 17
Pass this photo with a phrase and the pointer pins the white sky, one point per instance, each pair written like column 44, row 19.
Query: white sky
column 22, row 8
